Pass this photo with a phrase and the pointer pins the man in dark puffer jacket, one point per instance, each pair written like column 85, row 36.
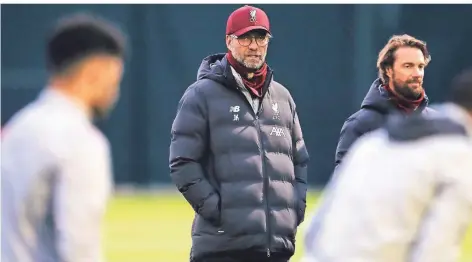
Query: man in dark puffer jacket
column 237, row 153
column 399, row 89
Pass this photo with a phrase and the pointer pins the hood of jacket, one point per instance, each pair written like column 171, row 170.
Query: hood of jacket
column 379, row 99
column 214, row 67
column 217, row 68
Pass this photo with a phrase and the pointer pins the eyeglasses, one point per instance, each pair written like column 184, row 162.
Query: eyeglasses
column 246, row 40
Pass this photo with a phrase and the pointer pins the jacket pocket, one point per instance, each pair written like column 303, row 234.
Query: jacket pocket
column 210, row 210
column 203, row 227
column 208, row 221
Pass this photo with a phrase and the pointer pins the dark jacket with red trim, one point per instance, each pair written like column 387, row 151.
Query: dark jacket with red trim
column 243, row 170
column 375, row 108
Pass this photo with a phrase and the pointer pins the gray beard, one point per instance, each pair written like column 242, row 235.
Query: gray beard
column 241, row 61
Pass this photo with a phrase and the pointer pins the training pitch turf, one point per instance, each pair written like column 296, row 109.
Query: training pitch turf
column 156, row 228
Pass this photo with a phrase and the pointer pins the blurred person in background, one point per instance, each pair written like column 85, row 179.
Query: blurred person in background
column 403, row 192
column 399, row 88
column 56, row 166
column 237, row 152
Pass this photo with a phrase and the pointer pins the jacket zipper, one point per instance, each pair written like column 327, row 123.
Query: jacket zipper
column 265, row 184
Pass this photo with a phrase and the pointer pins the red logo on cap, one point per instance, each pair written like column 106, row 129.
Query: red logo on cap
column 252, row 15
column 245, row 19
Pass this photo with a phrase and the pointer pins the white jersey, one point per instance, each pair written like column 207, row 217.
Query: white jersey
column 398, row 200
column 56, row 180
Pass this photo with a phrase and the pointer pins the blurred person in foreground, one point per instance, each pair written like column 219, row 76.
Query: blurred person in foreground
column 56, row 166
column 404, row 191
column 398, row 89
column 237, row 152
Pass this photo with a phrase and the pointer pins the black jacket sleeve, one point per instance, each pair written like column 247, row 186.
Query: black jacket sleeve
column 350, row 132
column 187, row 147
column 300, row 162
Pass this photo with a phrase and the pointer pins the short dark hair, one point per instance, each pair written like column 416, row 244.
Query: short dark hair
column 387, row 54
column 81, row 35
column 461, row 89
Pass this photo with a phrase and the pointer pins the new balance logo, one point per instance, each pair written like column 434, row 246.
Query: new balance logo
column 277, row 131
column 234, row 109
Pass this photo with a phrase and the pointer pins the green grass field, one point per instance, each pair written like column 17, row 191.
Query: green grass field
column 152, row 228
